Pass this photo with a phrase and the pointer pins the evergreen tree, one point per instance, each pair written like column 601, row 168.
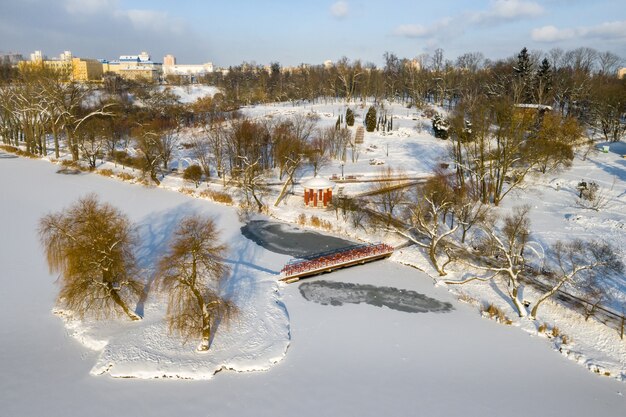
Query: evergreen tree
column 543, row 82
column 440, row 127
column 349, row 117
column 523, row 74
column 370, row 119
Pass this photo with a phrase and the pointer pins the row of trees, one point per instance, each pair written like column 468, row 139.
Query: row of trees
column 92, row 246
column 581, row 83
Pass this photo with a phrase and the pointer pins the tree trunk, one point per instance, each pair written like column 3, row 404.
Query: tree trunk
column 519, row 306
column 545, row 296
column 118, row 300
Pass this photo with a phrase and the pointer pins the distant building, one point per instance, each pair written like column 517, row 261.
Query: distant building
column 621, row 73
column 414, row 64
column 86, row 69
column 170, row 67
column 134, row 67
column 77, row 69
column 66, row 56
column 37, row 56
column 169, row 60
column 11, row 58
column 328, row 64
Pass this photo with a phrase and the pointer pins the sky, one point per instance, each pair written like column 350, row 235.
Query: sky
column 229, row 32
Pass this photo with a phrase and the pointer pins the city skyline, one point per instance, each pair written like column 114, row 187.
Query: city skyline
column 294, row 32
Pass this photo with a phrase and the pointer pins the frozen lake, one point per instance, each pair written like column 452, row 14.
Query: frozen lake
column 358, row 359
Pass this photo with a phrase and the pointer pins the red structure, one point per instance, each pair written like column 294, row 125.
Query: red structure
column 318, row 192
column 328, row 262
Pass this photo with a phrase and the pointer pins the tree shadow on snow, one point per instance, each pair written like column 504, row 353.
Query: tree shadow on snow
column 155, row 232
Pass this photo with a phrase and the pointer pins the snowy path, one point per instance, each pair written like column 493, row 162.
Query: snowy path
column 350, row 360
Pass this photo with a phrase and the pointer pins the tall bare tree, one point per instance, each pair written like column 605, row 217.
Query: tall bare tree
column 91, row 245
column 191, row 274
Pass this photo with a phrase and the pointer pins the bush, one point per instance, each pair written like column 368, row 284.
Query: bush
column 125, row 176
column 187, row 191
column 440, row 127
column 193, row 173
column 218, row 197
column 302, row 219
column 370, row 119
column 105, row 172
column 349, row 117
column 315, row 221
column 494, row 312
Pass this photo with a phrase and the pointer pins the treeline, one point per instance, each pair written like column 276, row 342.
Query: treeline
column 578, row 82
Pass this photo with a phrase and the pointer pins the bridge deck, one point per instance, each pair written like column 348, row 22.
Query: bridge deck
column 328, row 262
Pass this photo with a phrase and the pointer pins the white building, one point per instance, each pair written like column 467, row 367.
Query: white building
column 170, row 67
column 37, row 56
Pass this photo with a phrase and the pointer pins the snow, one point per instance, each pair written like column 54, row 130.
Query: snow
column 342, row 360
column 318, row 183
column 192, row 92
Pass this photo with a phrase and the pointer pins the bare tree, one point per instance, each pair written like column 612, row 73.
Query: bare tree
column 426, row 217
column 91, row 245
column 503, row 253
column 577, row 262
column 191, row 274
column 505, row 250
column 388, row 192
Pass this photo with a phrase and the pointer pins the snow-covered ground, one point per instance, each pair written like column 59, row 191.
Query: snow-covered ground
column 192, row 92
column 342, row 360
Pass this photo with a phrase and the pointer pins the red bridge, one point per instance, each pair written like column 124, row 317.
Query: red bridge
column 329, row 261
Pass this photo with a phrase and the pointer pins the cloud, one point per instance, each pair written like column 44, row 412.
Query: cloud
column 90, row 7
column 421, row 31
column 506, row 10
column 604, row 31
column 339, row 9
column 498, row 12
column 551, row 34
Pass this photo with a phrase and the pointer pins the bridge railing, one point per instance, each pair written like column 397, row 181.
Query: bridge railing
column 329, row 259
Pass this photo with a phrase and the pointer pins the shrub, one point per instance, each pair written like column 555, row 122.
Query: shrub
column 440, row 127
column 495, row 313
column 105, row 172
column 187, row 191
column 370, row 119
column 302, row 219
column 315, row 221
column 125, row 176
column 193, row 173
column 349, row 117
column 217, row 196
column 9, row 148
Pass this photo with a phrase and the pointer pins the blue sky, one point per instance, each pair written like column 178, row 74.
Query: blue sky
column 228, row 32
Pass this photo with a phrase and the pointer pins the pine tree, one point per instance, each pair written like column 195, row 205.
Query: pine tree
column 349, row 117
column 542, row 84
column 370, row 119
column 523, row 73
column 440, row 127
